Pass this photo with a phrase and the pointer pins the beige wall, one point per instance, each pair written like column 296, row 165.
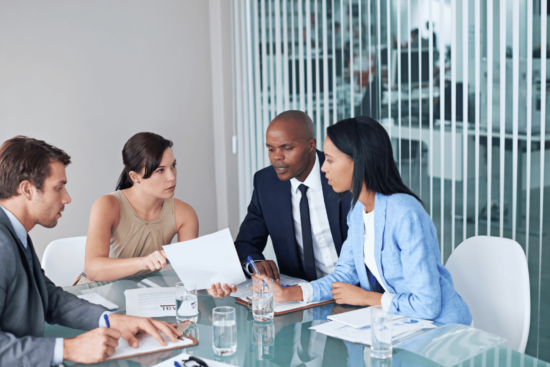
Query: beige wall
column 87, row 75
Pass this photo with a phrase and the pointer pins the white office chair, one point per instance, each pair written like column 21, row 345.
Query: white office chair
column 63, row 260
column 491, row 275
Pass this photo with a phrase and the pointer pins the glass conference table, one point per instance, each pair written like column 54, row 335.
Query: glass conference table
column 286, row 341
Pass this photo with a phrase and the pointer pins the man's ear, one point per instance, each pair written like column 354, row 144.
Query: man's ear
column 27, row 189
column 312, row 144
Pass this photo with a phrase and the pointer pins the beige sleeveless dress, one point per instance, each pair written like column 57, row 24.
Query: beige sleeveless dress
column 137, row 237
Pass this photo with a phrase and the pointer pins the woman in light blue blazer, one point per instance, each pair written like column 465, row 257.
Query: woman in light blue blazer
column 391, row 256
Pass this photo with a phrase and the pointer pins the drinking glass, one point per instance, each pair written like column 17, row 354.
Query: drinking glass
column 381, row 324
column 262, row 300
column 224, row 339
column 187, row 310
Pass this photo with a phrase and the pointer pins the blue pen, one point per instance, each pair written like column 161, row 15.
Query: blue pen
column 167, row 261
column 254, row 268
column 106, row 317
column 176, row 364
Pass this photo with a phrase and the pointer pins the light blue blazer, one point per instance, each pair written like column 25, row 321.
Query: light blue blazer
column 407, row 254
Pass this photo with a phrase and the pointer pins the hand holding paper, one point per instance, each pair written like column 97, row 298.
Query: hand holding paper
column 207, row 260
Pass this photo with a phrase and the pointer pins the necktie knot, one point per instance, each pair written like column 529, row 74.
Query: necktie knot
column 303, row 188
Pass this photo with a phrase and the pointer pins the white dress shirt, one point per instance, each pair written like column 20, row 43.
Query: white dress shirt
column 370, row 261
column 22, row 235
column 323, row 245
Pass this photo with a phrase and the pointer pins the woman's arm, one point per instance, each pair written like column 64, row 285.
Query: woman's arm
column 416, row 237
column 187, row 223
column 98, row 266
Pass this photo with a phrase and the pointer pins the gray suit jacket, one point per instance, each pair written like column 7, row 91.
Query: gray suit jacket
column 27, row 301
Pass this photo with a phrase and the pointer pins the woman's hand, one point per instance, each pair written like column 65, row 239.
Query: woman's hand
column 282, row 294
column 156, row 261
column 344, row 293
column 218, row 290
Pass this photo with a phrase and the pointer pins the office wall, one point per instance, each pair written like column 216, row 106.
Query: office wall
column 87, row 75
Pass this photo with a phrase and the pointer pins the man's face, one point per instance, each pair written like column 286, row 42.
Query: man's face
column 46, row 205
column 288, row 149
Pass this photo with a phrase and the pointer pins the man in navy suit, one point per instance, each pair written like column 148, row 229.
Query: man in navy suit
column 293, row 203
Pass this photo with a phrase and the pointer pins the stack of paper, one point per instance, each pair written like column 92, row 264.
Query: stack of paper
column 147, row 344
column 206, row 260
column 400, row 329
column 151, row 302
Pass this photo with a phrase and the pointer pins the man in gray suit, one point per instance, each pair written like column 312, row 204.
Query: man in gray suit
column 32, row 191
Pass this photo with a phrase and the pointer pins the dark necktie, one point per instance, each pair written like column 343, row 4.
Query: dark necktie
column 307, row 240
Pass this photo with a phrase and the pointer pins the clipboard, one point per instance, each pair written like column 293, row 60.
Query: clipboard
column 311, row 305
column 161, row 349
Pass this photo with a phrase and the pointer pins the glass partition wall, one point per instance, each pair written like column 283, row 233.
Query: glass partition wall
column 461, row 87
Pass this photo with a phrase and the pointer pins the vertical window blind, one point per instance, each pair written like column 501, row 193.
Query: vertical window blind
column 460, row 86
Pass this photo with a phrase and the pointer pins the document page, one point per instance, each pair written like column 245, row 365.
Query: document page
column 147, row 344
column 151, row 302
column 364, row 335
column 206, row 260
column 357, row 318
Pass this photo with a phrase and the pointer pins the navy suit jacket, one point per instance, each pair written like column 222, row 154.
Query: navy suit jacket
column 270, row 214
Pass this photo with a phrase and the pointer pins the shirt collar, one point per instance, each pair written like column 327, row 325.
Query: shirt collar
column 313, row 180
column 16, row 224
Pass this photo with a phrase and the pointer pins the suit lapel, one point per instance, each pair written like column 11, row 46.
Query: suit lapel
column 40, row 281
column 36, row 281
column 379, row 227
column 332, row 205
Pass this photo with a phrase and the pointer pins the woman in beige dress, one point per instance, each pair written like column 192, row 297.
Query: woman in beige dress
column 129, row 226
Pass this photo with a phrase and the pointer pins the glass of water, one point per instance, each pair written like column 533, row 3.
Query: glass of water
column 224, row 339
column 381, row 324
column 262, row 300
column 187, row 310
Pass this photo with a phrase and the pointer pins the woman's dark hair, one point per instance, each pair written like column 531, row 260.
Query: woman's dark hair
column 369, row 145
column 141, row 150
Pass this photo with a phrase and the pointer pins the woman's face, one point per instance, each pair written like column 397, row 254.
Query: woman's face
column 338, row 167
column 162, row 182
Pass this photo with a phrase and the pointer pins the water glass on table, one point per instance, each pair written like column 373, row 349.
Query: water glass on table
column 263, row 302
column 224, row 339
column 187, row 310
column 381, row 326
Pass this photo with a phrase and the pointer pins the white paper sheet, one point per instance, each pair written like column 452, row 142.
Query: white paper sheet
column 364, row 335
column 357, row 318
column 243, row 289
column 183, row 356
column 96, row 299
column 151, row 302
column 206, row 260
column 147, row 344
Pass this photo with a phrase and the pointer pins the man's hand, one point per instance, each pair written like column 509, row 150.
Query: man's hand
column 344, row 293
column 218, row 290
column 129, row 326
column 91, row 347
column 269, row 268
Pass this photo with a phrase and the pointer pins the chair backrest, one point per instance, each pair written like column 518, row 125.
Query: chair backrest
column 491, row 275
column 63, row 260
